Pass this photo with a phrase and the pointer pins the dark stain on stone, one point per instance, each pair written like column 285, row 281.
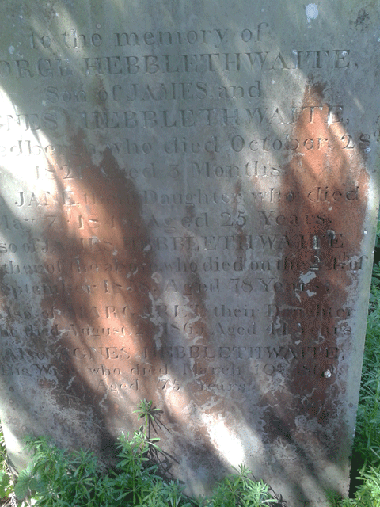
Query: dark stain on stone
column 362, row 20
column 322, row 263
column 105, row 289
column 315, row 90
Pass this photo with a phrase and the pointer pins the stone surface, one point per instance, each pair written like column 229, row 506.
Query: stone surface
column 188, row 206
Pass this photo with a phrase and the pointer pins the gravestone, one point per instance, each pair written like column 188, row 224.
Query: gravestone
column 188, row 208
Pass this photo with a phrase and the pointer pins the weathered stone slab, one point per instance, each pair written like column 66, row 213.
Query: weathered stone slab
column 188, row 205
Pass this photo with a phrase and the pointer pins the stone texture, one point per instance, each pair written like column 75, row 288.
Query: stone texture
column 188, row 207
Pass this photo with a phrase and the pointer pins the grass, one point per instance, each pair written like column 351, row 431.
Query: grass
column 6, row 480
column 58, row 478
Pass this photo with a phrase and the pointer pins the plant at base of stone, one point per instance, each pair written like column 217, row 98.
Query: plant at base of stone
column 369, row 493
column 138, row 477
column 146, row 411
column 167, row 495
column 173, row 494
column 240, row 490
column 57, row 478
column 6, row 481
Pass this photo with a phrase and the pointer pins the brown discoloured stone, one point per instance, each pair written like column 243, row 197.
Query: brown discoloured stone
column 331, row 185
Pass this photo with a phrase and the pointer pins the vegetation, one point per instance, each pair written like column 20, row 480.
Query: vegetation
column 61, row 479
column 58, row 478
column 6, row 482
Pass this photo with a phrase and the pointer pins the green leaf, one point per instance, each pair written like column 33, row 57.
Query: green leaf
column 5, row 484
